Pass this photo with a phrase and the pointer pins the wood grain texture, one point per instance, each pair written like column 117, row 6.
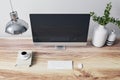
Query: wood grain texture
column 98, row 63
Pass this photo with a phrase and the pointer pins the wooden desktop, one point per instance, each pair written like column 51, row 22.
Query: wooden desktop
column 98, row 63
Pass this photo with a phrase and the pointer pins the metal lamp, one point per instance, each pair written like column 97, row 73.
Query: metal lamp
column 15, row 25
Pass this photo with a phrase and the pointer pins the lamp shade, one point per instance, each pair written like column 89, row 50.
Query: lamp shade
column 15, row 25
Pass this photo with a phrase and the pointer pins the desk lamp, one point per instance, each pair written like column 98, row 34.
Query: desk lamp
column 15, row 25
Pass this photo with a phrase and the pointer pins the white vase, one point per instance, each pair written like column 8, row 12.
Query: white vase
column 100, row 36
column 111, row 39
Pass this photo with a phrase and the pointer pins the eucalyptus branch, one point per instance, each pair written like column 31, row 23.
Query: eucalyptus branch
column 105, row 19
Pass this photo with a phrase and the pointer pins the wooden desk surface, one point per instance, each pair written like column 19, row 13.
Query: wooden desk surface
column 98, row 63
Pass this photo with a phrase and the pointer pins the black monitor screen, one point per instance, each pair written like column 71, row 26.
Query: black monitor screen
column 59, row 27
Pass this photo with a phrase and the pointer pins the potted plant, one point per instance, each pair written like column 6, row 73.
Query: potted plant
column 100, row 34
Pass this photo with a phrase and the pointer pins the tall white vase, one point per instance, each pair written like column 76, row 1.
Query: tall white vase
column 100, row 36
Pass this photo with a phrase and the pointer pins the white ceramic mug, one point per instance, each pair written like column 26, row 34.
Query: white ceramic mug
column 24, row 55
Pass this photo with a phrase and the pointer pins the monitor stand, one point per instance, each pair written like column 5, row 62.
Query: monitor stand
column 60, row 47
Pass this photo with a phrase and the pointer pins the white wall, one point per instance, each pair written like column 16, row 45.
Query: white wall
column 25, row 7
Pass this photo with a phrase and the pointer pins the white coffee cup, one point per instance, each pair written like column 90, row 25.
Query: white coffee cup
column 24, row 55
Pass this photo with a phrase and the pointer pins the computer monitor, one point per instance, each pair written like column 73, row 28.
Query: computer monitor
column 60, row 29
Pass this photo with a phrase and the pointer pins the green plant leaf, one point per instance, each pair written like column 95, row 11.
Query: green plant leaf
column 105, row 19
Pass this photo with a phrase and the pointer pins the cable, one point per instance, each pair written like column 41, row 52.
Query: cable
column 11, row 5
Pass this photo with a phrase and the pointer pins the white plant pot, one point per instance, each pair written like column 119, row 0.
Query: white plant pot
column 100, row 36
